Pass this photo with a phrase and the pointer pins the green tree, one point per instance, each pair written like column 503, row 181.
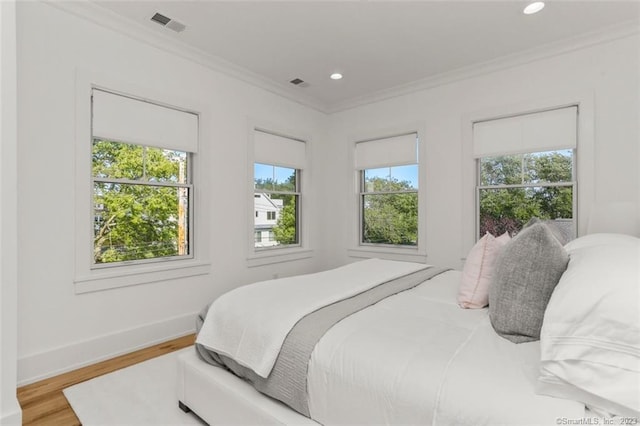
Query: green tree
column 135, row 221
column 285, row 230
column 390, row 217
column 508, row 209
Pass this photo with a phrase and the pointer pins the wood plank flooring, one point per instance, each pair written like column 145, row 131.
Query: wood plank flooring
column 43, row 402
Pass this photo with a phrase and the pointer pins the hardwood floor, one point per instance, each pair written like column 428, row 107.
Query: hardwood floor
column 43, row 403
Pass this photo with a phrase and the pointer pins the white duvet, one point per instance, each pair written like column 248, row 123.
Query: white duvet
column 417, row 358
column 250, row 323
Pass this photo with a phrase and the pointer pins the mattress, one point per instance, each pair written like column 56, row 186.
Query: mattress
column 413, row 358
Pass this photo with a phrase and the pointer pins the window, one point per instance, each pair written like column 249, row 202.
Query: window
column 279, row 162
column 141, row 177
column 141, row 202
column 277, row 194
column 388, row 193
column 526, row 169
column 515, row 188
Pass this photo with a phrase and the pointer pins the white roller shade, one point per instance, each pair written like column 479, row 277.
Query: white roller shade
column 124, row 119
column 394, row 151
column 278, row 150
column 538, row 132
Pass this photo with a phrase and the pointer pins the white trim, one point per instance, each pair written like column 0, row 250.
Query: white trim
column 584, row 41
column 129, row 275
column 38, row 366
column 278, row 255
column 584, row 158
column 13, row 417
column 406, row 254
column 409, row 253
column 88, row 278
column 10, row 411
column 109, row 19
column 302, row 250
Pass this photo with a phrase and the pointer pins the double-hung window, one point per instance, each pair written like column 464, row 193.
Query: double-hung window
column 142, row 180
column 279, row 164
column 388, row 190
column 525, row 169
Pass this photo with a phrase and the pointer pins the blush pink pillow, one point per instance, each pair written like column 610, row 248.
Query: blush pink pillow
column 478, row 270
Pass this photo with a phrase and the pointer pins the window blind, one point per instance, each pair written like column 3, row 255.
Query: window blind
column 279, row 150
column 537, row 132
column 387, row 152
column 123, row 119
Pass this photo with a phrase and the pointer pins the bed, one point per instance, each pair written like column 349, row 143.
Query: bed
column 410, row 354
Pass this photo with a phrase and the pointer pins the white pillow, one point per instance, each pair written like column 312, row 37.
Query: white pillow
column 590, row 338
column 478, row 271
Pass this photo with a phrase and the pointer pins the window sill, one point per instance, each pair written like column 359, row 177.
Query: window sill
column 268, row 257
column 389, row 253
column 105, row 279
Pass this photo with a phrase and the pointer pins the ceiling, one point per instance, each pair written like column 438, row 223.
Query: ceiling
column 376, row 45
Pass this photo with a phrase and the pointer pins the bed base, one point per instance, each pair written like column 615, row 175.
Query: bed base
column 219, row 397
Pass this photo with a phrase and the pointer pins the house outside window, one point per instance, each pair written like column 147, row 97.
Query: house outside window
column 276, row 199
column 526, row 169
column 279, row 164
column 388, row 190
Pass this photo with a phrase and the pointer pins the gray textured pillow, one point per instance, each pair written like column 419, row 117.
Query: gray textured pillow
column 561, row 229
column 525, row 275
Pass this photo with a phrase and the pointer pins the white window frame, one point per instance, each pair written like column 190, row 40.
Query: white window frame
column 358, row 249
column 584, row 157
column 188, row 185
column 87, row 277
column 569, row 184
column 295, row 193
column 257, row 256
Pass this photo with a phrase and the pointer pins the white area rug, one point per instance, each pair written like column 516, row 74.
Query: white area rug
column 143, row 394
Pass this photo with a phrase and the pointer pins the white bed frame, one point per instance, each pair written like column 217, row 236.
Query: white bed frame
column 219, row 397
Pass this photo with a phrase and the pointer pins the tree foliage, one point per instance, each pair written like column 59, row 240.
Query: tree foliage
column 285, row 230
column 390, row 215
column 135, row 221
column 508, row 209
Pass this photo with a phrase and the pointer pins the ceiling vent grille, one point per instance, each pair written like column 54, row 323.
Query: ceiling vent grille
column 299, row 82
column 165, row 21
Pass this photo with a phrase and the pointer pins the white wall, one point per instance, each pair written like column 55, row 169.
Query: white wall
column 10, row 413
column 605, row 75
column 59, row 329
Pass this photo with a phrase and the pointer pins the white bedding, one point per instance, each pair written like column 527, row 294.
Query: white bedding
column 417, row 358
column 250, row 323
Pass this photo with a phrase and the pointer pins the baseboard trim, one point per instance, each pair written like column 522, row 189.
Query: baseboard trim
column 36, row 367
column 13, row 418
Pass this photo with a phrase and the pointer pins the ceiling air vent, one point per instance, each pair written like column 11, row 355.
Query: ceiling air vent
column 299, row 82
column 165, row 21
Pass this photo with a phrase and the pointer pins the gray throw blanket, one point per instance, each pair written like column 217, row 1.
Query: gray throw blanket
column 288, row 379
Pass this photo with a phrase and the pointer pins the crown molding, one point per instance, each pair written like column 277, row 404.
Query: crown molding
column 605, row 35
column 106, row 18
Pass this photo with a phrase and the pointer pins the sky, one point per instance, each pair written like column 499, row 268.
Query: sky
column 281, row 174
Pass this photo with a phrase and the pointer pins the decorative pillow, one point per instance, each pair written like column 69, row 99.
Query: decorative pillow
column 525, row 275
column 478, row 270
column 590, row 339
column 562, row 230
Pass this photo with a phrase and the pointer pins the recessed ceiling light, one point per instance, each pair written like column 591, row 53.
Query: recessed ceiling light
column 534, row 7
column 336, row 76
